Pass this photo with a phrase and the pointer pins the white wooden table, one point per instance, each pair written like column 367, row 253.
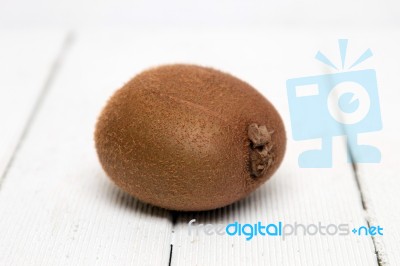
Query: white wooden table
column 58, row 207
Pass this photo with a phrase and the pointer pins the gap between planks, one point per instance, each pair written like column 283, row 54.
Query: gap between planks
column 54, row 70
column 67, row 43
column 380, row 252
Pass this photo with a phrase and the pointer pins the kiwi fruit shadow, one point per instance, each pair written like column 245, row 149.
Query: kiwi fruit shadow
column 117, row 197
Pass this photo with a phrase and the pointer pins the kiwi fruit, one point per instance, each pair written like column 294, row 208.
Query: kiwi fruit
column 189, row 138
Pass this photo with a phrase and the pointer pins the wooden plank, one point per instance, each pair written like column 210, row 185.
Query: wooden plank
column 57, row 205
column 379, row 182
column 60, row 208
column 26, row 58
column 266, row 60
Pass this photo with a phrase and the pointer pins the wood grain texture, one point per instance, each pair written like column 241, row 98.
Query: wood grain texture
column 380, row 183
column 294, row 194
column 26, row 59
column 57, row 205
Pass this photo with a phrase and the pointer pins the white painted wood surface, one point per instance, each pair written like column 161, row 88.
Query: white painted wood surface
column 293, row 195
column 380, row 183
column 26, row 59
column 58, row 207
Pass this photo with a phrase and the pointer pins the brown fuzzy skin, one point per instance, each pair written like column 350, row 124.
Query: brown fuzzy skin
column 176, row 136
